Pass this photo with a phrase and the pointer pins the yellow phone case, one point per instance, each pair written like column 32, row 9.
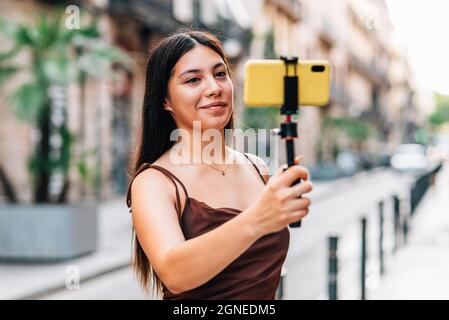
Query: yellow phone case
column 264, row 84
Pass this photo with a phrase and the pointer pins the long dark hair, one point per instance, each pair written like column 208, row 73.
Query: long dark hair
column 157, row 124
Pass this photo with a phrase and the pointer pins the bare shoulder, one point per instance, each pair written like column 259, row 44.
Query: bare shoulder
column 150, row 182
column 261, row 165
column 154, row 177
column 149, row 176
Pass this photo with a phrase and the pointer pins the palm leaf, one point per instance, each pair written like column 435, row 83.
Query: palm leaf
column 6, row 72
column 59, row 70
column 4, row 56
column 29, row 100
column 8, row 28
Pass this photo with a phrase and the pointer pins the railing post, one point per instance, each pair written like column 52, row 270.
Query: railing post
column 381, row 238
column 412, row 199
column 333, row 268
column 280, row 290
column 405, row 225
column 396, row 221
column 363, row 260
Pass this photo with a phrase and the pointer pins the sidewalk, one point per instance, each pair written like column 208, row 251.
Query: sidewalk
column 34, row 281
column 420, row 269
column 30, row 281
column 323, row 188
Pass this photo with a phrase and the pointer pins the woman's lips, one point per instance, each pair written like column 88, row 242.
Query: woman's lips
column 214, row 107
column 217, row 107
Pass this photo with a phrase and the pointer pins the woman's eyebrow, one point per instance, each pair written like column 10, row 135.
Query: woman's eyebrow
column 219, row 64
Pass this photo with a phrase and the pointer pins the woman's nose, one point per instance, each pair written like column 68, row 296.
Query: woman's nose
column 213, row 88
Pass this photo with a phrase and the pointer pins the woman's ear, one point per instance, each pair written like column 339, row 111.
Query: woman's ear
column 167, row 105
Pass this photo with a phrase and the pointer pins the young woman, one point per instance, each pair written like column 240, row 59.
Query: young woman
column 216, row 228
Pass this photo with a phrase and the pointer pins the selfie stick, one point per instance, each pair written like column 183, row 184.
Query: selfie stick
column 289, row 129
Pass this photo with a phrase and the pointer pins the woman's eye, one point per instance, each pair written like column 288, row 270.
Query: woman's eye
column 193, row 80
column 221, row 74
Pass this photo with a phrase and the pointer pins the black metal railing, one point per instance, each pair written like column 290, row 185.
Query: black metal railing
column 401, row 213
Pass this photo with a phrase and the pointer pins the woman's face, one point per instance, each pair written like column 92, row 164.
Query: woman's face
column 200, row 89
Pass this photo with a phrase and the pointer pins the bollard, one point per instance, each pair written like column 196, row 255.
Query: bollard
column 280, row 290
column 363, row 261
column 333, row 268
column 412, row 199
column 405, row 229
column 396, row 221
column 381, row 238
column 406, row 216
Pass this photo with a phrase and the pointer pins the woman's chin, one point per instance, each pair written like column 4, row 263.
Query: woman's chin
column 217, row 122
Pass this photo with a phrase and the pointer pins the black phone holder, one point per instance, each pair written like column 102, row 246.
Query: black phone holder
column 289, row 128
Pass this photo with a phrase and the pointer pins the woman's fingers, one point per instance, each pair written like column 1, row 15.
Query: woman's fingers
column 298, row 204
column 298, row 159
column 295, row 216
column 297, row 190
column 285, row 176
column 279, row 171
column 292, row 174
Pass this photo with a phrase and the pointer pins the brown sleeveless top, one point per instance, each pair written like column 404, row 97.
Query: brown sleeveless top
column 254, row 275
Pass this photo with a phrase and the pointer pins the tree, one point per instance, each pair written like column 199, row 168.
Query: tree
column 59, row 56
column 357, row 131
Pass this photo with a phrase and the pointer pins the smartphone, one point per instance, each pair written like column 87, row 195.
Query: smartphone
column 264, row 84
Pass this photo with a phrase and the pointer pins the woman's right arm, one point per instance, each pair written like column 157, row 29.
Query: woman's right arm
column 182, row 264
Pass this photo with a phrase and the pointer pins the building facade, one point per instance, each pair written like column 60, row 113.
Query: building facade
column 371, row 80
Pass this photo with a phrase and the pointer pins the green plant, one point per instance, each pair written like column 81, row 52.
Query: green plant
column 441, row 113
column 58, row 57
column 357, row 131
column 261, row 118
column 269, row 46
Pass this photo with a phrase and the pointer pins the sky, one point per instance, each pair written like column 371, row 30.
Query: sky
column 423, row 27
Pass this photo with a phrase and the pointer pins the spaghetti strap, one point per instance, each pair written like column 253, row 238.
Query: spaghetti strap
column 169, row 175
column 172, row 176
column 258, row 171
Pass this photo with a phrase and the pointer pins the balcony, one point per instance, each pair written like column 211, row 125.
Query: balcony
column 290, row 8
column 327, row 32
column 340, row 95
column 156, row 14
column 371, row 114
column 372, row 70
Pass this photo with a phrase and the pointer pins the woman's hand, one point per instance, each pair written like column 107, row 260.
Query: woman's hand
column 279, row 204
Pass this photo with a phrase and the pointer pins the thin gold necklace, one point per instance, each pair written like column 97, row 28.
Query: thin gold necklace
column 222, row 171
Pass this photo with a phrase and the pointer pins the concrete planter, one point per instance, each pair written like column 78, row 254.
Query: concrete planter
column 47, row 232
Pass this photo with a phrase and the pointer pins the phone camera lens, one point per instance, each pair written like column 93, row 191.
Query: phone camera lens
column 318, row 68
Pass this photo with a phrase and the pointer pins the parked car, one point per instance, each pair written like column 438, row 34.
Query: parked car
column 374, row 160
column 410, row 158
column 325, row 171
column 442, row 145
column 348, row 163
